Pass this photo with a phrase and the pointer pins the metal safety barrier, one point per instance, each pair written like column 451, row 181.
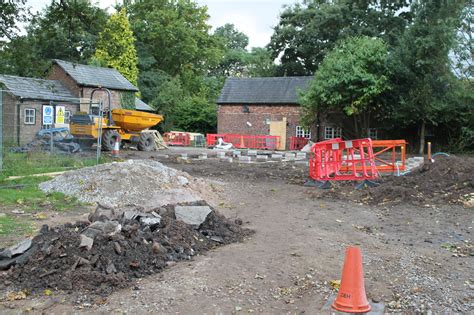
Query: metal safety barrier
column 297, row 143
column 245, row 141
column 177, row 138
column 337, row 159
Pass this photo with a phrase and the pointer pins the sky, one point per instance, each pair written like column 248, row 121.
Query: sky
column 255, row 18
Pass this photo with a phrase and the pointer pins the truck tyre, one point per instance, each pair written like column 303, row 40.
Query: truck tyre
column 146, row 142
column 109, row 137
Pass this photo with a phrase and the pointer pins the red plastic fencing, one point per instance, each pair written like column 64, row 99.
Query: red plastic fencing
column 337, row 159
column 297, row 143
column 245, row 141
column 177, row 138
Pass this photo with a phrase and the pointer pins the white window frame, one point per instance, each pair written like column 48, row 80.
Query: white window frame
column 67, row 116
column 372, row 133
column 332, row 132
column 303, row 132
column 29, row 116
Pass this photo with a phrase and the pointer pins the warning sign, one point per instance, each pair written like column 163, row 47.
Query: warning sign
column 60, row 114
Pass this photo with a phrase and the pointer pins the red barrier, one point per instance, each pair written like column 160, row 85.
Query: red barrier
column 337, row 159
column 297, row 143
column 177, row 138
column 245, row 141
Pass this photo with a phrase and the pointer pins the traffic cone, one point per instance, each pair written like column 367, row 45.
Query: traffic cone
column 116, row 150
column 351, row 297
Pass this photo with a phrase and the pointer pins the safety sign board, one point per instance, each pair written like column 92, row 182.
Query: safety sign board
column 47, row 115
column 60, row 114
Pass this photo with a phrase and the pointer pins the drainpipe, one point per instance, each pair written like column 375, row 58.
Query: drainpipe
column 18, row 122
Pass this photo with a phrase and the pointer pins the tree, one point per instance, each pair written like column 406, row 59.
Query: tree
column 462, row 62
column 420, row 64
column 309, row 30
column 115, row 47
column 234, row 44
column 351, row 79
column 260, row 63
column 175, row 53
column 66, row 30
column 11, row 13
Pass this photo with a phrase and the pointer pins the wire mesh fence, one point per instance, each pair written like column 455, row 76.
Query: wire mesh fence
column 35, row 137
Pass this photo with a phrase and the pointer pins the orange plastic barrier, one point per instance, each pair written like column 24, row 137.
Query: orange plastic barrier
column 389, row 156
column 177, row 138
column 297, row 143
column 245, row 141
column 337, row 159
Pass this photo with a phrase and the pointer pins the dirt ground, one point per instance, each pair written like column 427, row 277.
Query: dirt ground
column 417, row 258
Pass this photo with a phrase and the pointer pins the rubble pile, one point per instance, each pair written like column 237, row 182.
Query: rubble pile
column 447, row 180
column 146, row 183
column 118, row 246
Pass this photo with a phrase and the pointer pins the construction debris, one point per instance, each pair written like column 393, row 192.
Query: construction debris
column 62, row 142
column 147, row 183
column 117, row 251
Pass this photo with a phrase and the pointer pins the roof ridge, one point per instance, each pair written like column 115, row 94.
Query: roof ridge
column 85, row 65
column 28, row 78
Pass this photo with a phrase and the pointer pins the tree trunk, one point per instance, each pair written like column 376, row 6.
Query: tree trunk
column 356, row 127
column 422, row 137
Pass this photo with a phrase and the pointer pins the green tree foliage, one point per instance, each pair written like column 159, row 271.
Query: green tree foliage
column 175, row 53
column 115, row 47
column 422, row 76
column 351, row 79
column 65, row 30
column 462, row 61
column 309, row 30
column 260, row 63
column 11, row 13
column 234, row 59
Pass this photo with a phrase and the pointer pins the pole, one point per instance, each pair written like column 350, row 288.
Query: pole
column 99, row 132
column 1, row 131
column 50, row 131
column 429, row 151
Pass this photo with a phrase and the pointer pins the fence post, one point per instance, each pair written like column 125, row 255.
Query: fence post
column 1, row 131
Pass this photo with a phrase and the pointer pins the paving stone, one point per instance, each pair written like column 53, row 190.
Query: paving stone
column 193, row 215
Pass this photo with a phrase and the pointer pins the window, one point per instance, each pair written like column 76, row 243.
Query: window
column 331, row 132
column 302, row 132
column 30, row 116
column 372, row 133
column 67, row 116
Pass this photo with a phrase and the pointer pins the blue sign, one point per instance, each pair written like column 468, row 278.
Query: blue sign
column 48, row 115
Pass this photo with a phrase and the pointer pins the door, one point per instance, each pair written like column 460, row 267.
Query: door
column 278, row 128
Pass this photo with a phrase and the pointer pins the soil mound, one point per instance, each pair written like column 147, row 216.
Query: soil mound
column 133, row 248
column 447, row 180
column 135, row 182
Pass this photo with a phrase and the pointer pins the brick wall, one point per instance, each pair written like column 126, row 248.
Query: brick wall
column 28, row 131
column 9, row 118
column 57, row 73
column 232, row 119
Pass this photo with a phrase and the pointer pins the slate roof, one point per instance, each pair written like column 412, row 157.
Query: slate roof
column 85, row 75
column 141, row 105
column 37, row 89
column 270, row 90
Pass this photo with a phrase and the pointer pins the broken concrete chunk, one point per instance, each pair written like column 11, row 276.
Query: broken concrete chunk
column 86, row 242
column 109, row 228
column 15, row 250
column 193, row 215
column 110, row 268
column 150, row 221
column 102, row 214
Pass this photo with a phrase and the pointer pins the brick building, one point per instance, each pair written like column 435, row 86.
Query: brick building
column 70, row 85
column 22, row 101
column 249, row 106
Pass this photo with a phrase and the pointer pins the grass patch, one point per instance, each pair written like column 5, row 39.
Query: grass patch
column 25, row 193
column 11, row 225
column 17, row 164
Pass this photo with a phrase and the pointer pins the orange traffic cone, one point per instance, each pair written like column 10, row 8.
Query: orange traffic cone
column 351, row 297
